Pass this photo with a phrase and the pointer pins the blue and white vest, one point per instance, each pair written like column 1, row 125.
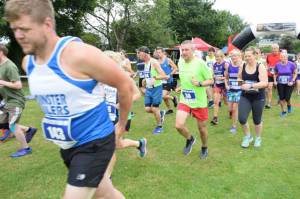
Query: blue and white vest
column 75, row 110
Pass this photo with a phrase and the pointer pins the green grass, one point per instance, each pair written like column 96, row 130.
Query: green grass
column 230, row 172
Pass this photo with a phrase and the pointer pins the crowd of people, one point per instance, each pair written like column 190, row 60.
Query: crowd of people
column 60, row 71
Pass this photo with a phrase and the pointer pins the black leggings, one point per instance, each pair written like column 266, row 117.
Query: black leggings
column 246, row 105
column 284, row 91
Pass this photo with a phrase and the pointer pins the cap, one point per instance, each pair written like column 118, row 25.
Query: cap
column 144, row 49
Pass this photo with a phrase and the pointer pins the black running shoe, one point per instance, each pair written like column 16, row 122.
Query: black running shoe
column 189, row 145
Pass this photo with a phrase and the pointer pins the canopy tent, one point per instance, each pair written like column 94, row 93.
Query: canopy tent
column 200, row 44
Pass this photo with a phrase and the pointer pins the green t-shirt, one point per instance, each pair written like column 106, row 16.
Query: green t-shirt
column 13, row 97
column 193, row 96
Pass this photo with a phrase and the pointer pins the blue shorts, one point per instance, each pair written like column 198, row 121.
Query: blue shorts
column 298, row 77
column 233, row 96
column 153, row 96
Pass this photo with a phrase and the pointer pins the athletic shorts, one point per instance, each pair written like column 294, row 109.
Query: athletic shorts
column 298, row 77
column 233, row 96
column 270, row 79
column 87, row 163
column 10, row 115
column 153, row 96
column 220, row 90
column 167, row 86
column 201, row 114
column 285, row 91
column 141, row 82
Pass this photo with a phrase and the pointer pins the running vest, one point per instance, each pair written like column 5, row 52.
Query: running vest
column 111, row 98
column 167, row 69
column 75, row 110
column 219, row 70
column 150, row 72
column 251, row 79
column 140, row 66
column 210, row 62
column 233, row 77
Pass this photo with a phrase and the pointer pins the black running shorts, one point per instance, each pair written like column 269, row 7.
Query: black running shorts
column 87, row 163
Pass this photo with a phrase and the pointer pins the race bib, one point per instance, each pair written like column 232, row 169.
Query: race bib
column 283, row 79
column 58, row 131
column 252, row 90
column 219, row 81
column 234, row 84
column 189, row 95
column 298, row 70
column 141, row 74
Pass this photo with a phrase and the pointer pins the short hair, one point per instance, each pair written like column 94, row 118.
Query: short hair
column 211, row 49
column 38, row 10
column 189, row 42
column 117, row 57
column 275, row 46
column 3, row 49
column 236, row 52
column 144, row 49
column 220, row 53
column 160, row 48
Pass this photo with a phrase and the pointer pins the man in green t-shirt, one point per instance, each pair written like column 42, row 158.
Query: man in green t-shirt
column 195, row 76
column 11, row 92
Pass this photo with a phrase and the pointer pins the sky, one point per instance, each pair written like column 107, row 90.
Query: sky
column 262, row 11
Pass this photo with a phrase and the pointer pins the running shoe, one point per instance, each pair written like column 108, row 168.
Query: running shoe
column 246, row 141
column 257, row 142
column 283, row 114
column 30, row 133
column 233, row 130
column 268, row 106
column 143, row 147
column 220, row 104
column 289, row 108
column 157, row 130
column 169, row 112
column 5, row 134
column 162, row 116
column 214, row 121
column 189, row 145
column 203, row 153
column 175, row 101
column 22, row 152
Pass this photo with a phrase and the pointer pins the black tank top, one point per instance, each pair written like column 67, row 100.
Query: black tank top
column 252, row 78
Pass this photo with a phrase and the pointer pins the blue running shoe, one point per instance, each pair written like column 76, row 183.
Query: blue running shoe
column 30, row 133
column 283, row 114
column 5, row 134
column 143, row 147
column 189, row 145
column 289, row 109
column 157, row 130
column 22, row 152
column 246, row 141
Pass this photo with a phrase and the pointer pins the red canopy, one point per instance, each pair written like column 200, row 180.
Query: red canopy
column 201, row 45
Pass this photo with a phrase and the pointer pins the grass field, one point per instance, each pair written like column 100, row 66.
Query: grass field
column 270, row 172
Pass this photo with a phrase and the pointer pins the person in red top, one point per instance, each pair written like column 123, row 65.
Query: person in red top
column 272, row 59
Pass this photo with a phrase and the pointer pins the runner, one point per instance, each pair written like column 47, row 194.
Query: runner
column 153, row 81
column 272, row 60
column 284, row 77
column 169, row 68
column 254, row 79
column 65, row 74
column 210, row 61
column 14, row 104
column 297, row 62
column 233, row 88
column 219, row 87
column 195, row 77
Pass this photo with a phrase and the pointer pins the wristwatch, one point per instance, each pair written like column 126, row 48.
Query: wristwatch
column 251, row 86
column 199, row 84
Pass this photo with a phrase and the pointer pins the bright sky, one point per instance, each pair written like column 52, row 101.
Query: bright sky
column 262, row 11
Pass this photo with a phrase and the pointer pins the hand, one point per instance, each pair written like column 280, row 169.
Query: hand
column 177, row 90
column 291, row 83
column 227, row 87
column 119, row 131
column 195, row 82
column 2, row 83
column 144, row 83
column 246, row 87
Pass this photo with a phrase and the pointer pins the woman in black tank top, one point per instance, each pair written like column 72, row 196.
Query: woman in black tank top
column 254, row 80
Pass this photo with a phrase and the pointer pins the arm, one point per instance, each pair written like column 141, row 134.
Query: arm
column 136, row 91
column 226, row 74
column 173, row 65
column 13, row 84
column 263, row 77
column 161, row 73
column 275, row 75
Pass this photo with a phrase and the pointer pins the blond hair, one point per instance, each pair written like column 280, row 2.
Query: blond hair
column 38, row 10
column 236, row 52
column 117, row 57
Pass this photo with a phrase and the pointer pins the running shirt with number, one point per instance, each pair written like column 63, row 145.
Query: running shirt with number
column 193, row 96
column 167, row 69
column 219, row 70
column 298, row 67
column 140, row 66
column 285, row 72
column 111, row 99
column 210, row 61
column 75, row 109
column 272, row 60
column 150, row 72
column 233, row 77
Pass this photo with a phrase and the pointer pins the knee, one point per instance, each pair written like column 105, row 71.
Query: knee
column 148, row 109
column 242, row 120
column 179, row 126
